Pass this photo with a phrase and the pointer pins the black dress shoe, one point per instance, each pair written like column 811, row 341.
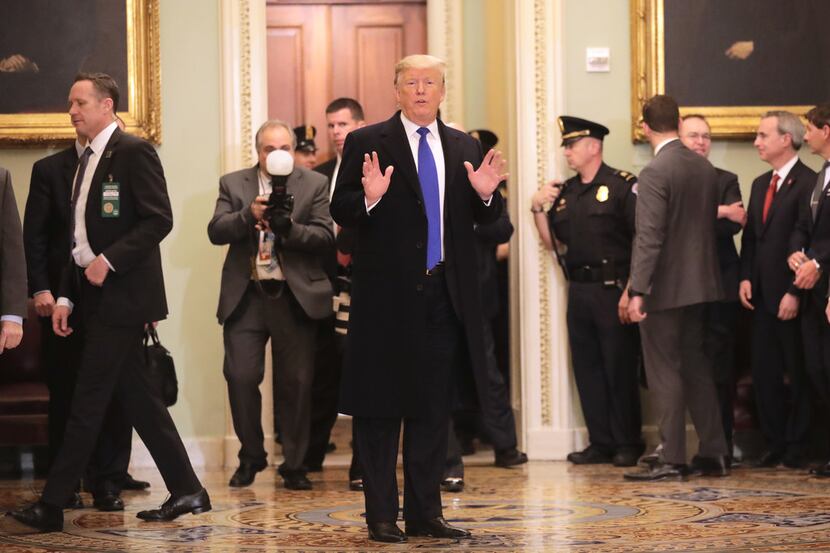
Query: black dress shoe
column 174, row 507
column 436, row 528
column 356, row 485
column 822, row 472
column 245, row 474
column 770, row 459
column 387, row 532
column 107, row 501
column 40, row 516
column 296, row 481
column 452, row 485
column 591, row 455
column 510, row 458
column 794, row 460
column 710, row 466
column 626, row 456
column 132, row 484
column 75, row 502
column 659, row 471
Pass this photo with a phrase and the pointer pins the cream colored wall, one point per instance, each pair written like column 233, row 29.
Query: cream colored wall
column 605, row 97
column 190, row 155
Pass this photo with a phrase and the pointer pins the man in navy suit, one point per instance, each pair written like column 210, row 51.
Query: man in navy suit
column 410, row 189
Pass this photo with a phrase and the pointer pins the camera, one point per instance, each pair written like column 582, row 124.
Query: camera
column 279, row 165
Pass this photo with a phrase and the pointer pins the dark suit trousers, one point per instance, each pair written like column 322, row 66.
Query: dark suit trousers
column 111, row 368
column 816, row 333
column 680, row 377
column 719, row 344
column 783, row 411
column 424, row 437
column 255, row 320
column 604, row 354
column 325, row 393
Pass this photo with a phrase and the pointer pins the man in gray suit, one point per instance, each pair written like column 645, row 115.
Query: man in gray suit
column 12, row 268
column 674, row 274
column 273, row 286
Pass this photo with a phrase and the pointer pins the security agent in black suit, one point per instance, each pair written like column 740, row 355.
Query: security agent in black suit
column 409, row 188
column 113, row 281
column 721, row 316
column 810, row 247
column 768, row 290
column 484, row 386
column 591, row 225
column 343, row 115
column 46, row 237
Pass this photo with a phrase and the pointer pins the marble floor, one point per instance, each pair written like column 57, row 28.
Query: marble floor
column 541, row 506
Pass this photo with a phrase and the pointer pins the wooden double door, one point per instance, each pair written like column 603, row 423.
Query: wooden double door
column 324, row 50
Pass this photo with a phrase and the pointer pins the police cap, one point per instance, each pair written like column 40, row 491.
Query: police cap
column 305, row 138
column 574, row 128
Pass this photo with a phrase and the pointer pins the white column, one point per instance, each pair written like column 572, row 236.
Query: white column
column 445, row 34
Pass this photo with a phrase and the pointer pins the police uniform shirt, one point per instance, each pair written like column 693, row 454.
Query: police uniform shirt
column 596, row 220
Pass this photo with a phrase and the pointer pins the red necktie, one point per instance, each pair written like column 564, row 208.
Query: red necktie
column 773, row 185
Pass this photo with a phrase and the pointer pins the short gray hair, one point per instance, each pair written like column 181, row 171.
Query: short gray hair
column 421, row 61
column 270, row 124
column 789, row 123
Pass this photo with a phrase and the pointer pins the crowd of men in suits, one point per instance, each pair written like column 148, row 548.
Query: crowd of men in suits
column 659, row 251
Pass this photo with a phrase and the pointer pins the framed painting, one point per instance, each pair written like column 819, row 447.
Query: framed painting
column 730, row 60
column 44, row 44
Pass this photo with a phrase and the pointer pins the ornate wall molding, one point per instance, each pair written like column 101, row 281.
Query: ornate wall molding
column 445, row 36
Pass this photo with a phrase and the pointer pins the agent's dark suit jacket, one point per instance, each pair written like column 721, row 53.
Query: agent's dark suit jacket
column 134, row 292
column 46, row 223
column 385, row 370
column 765, row 247
column 729, row 192
column 812, row 234
column 301, row 252
column 488, row 238
column 674, row 259
column 12, row 258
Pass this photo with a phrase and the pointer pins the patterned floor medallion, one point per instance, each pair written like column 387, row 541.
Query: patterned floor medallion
column 538, row 507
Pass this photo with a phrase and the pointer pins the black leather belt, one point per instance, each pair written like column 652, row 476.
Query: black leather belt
column 271, row 286
column 587, row 273
column 438, row 270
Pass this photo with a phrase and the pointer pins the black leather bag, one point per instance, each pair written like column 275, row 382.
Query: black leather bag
column 161, row 372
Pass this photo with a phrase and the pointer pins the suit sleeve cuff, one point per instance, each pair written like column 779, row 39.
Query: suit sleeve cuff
column 369, row 208
column 12, row 319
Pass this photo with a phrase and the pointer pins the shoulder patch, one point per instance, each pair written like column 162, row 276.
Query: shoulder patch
column 626, row 176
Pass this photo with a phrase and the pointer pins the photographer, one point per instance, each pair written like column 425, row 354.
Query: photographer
column 275, row 217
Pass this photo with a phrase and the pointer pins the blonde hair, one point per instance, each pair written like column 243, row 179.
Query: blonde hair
column 421, row 61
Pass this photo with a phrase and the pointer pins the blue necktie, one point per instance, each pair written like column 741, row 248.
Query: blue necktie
column 428, row 175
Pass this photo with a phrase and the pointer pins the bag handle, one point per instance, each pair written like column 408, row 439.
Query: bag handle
column 150, row 334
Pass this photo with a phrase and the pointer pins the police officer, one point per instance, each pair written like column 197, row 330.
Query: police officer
column 305, row 154
column 590, row 227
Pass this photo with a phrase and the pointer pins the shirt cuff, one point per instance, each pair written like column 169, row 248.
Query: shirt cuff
column 39, row 292
column 488, row 201
column 369, row 208
column 107, row 261
column 12, row 319
column 814, row 260
column 66, row 302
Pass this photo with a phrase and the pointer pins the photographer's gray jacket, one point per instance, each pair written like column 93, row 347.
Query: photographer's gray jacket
column 301, row 253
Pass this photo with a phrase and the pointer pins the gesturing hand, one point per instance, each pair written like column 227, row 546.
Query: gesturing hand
column 375, row 182
column 489, row 174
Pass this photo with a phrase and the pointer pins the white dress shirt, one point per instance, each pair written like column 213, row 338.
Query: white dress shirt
column 663, row 144
column 784, row 171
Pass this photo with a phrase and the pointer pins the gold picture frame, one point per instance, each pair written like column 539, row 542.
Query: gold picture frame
column 648, row 77
column 142, row 115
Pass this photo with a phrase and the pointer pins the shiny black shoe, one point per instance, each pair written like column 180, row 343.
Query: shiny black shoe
column 626, row 456
column 591, row 455
column 710, row 466
column 794, row 460
column 296, row 481
column 822, row 471
column 132, row 484
column 356, row 485
column 387, row 532
column 436, row 528
column 75, row 502
column 245, row 474
column 452, row 485
column 174, row 507
column 40, row 516
column 510, row 458
column 107, row 501
column 769, row 460
column 659, row 471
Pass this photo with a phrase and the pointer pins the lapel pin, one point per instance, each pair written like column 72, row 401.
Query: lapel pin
column 108, row 154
